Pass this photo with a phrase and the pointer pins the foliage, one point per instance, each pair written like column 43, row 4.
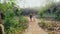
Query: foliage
column 23, row 22
column 13, row 24
column 58, row 13
column 44, row 9
column 2, row 7
column 42, row 24
column 18, row 12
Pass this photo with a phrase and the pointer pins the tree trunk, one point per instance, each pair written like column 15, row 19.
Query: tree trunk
column 1, row 26
column 1, row 29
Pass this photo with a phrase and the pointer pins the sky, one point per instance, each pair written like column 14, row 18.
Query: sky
column 31, row 3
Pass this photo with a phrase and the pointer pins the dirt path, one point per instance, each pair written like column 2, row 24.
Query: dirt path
column 34, row 28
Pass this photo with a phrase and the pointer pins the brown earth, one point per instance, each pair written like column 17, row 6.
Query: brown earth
column 34, row 27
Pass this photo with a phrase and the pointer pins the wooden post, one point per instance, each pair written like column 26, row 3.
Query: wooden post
column 1, row 26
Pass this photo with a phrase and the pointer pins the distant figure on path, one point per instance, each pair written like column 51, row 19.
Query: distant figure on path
column 31, row 17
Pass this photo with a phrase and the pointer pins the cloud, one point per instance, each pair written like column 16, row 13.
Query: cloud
column 32, row 3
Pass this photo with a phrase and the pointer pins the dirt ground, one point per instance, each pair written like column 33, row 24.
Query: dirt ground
column 34, row 27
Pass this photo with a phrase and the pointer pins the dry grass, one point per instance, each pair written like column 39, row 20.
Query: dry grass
column 52, row 27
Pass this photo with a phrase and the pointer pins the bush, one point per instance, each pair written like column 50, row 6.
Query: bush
column 41, row 24
column 11, row 23
column 58, row 13
column 45, row 25
column 41, row 15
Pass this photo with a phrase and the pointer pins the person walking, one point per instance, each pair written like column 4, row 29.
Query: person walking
column 31, row 17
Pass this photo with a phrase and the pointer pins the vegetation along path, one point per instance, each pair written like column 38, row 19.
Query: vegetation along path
column 34, row 28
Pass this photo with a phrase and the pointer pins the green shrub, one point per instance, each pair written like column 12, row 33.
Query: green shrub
column 57, row 13
column 12, row 25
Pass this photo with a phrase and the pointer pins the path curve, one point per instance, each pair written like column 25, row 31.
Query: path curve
column 34, row 28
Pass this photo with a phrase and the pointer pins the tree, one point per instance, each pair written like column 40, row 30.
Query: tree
column 43, row 9
column 57, row 13
column 12, row 24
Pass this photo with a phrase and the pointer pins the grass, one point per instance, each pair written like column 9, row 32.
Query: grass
column 51, row 26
